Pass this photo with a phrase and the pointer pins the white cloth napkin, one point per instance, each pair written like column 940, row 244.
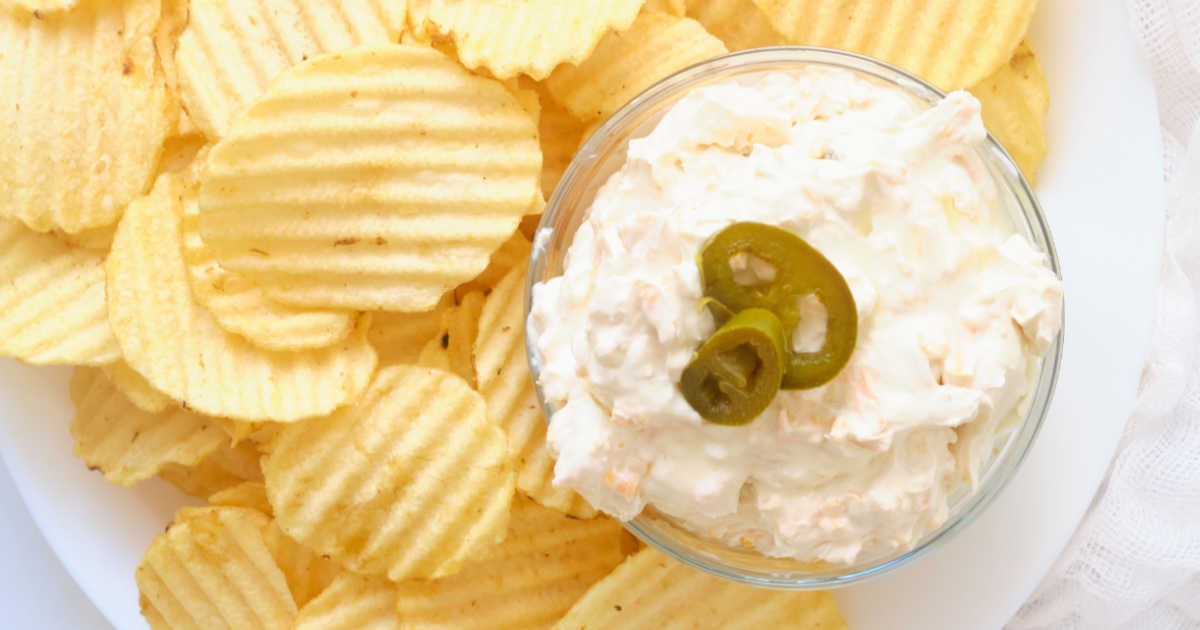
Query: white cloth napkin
column 1134, row 562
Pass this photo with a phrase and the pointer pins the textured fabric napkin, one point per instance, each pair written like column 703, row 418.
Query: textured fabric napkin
column 1134, row 562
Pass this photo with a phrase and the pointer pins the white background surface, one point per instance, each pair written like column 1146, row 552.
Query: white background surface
column 1102, row 190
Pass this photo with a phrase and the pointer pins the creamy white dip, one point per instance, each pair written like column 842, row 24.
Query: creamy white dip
column 955, row 309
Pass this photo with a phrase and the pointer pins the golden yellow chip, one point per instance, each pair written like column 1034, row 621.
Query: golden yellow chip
column 560, row 133
column 182, row 351
column 628, row 62
column 227, row 467
column 128, row 444
column 248, row 494
column 401, row 337
column 307, row 573
column 738, row 23
column 460, row 326
column 412, row 480
column 137, row 389
column 352, row 602
column 546, row 563
column 507, row 388
column 41, row 6
column 240, row 306
column 650, row 591
column 85, row 110
column 674, row 7
column 451, row 164
column 96, row 239
column 52, row 305
column 231, row 51
column 212, row 570
column 950, row 43
column 514, row 252
column 1015, row 100
column 512, row 37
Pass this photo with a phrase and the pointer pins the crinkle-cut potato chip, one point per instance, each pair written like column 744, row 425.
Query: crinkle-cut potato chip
column 650, row 591
column 400, row 337
column 181, row 350
column 40, row 6
column 85, row 109
column 307, row 573
column 674, row 7
column 136, row 388
column 183, row 154
column 52, row 304
column 127, row 444
column 225, row 468
column 352, row 602
column 738, row 23
column 950, row 43
column 412, row 480
column 1014, row 101
column 546, row 563
column 231, row 51
column 418, row 20
column 212, row 570
column 507, row 388
column 514, row 252
column 436, row 356
column 240, row 306
column 511, row 37
column 374, row 179
column 248, row 494
column 625, row 63
column 452, row 347
column 96, row 239
column 560, row 133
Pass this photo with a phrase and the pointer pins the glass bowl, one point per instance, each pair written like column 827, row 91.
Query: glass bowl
column 604, row 153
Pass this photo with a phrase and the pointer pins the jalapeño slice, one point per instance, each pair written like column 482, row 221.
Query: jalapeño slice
column 792, row 270
column 736, row 372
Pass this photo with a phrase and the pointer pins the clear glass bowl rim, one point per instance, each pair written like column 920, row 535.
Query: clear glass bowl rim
column 1003, row 465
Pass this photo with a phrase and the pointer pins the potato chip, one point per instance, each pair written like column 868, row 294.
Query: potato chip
column 183, row 154
column 950, row 43
column 231, row 51
column 512, row 37
column 546, row 563
column 507, row 388
column 137, row 389
column 240, row 306
column 181, row 350
column 96, row 239
column 412, row 480
column 128, row 444
column 401, row 337
column 628, row 62
column 740, row 24
column 1015, row 100
column 375, row 179
column 52, row 305
column 227, row 467
column 307, row 573
column 674, row 7
column 41, row 6
column 352, row 602
column 248, row 494
column 212, row 570
column 514, row 251
column 560, row 133
column 436, row 356
column 82, row 88
column 651, row 591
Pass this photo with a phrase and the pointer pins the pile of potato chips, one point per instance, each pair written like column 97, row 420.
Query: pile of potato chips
column 285, row 243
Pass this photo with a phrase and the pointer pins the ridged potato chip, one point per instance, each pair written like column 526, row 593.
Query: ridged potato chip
column 307, row 573
column 38, row 5
column 52, row 304
column 1014, row 101
column 625, row 63
column 512, row 37
column 950, row 43
column 674, row 7
column 401, row 337
column 352, row 602
column 212, row 570
column 248, row 494
column 650, row 591
column 96, row 239
column 182, row 351
column 128, row 444
column 227, row 467
column 240, row 306
column 740, row 24
column 231, row 51
column 546, row 563
column 460, row 325
column 514, row 252
column 507, row 388
column 412, row 480
column 374, row 179
column 136, row 388
column 560, row 133
column 85, row 109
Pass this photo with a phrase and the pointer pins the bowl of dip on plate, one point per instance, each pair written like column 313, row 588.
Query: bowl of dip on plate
column 955, row 284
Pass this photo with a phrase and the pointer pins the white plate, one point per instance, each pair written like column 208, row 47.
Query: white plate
column 1102, row 191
